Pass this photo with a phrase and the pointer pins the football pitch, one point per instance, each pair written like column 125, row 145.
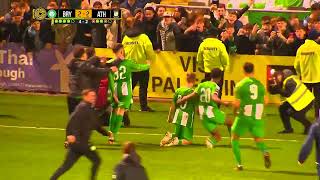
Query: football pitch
column 32, row 136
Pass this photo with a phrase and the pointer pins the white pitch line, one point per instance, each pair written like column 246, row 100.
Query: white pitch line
column 133, row 133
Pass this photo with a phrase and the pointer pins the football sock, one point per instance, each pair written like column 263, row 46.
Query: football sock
column 112, row 121
column 262, row 147
column 236, row 150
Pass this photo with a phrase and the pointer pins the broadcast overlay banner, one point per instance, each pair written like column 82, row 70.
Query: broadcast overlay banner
column 46, row 71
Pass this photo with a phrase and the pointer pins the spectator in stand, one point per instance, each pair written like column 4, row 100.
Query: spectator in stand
column 315, row 14
column 294, row 23
column 99, row 31
column 297, row 39
column 84, row 31
column 16, row 28
column 261, row 36
column 195, row 34
column 278, row 40
column 242, row 41
column 233, row 18
column 167, row 32
column 131, row 5
column 15, row 8
column 160, row 11
column 227, row 37
column 150, row 24
column 217, row 14
column 47, row 34
column 315, row 31
column 27, row 11
column 138, row 15
column 113, row 29
column 64, row 33
column 180, row 15
column 31, row 39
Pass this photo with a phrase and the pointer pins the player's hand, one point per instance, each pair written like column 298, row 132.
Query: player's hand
column 71, row 139
column 116, row 99
column 250, row 2
column 180, row 101
column 114, row 69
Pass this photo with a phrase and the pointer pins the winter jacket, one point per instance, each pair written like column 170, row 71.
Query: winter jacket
column 167, row 36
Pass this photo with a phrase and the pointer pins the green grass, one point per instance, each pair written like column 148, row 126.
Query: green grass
column 35, row 154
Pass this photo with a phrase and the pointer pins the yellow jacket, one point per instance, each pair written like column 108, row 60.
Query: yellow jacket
column 138, row 48
column 212, row 53
column 307, row 63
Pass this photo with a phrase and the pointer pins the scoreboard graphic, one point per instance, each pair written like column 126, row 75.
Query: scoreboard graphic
column 77, row 16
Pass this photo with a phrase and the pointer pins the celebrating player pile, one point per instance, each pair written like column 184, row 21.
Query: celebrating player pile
column 250, row 94
column 182, row 116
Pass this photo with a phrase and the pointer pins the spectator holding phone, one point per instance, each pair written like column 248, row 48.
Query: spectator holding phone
column 278, row 40
column 261, row 36
column 297, row 39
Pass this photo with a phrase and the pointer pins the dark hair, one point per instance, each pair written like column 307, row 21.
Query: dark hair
column 191, row 77
column 90, row 51
column 129, row 147
column 117, row 47
column 149, row 9
column 266, row 19
column 248, row 67
column 315, row 7
column 78, row 51
column 97, row 3
column 280, row 19
column 216, row 73
column 233, row 13
column 183, row 11
column 87, row 91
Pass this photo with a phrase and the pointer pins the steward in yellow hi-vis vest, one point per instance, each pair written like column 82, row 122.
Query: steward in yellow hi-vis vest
column 212, row 53
column 307, row 65
column 298, row 102
column 138, row 47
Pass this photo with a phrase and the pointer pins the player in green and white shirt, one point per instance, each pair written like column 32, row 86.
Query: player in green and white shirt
column 122, row 88
column 182, row 116
column 248, row 106
column 210, row 114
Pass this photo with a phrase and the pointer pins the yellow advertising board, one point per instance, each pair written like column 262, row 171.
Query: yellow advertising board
column 168, row 72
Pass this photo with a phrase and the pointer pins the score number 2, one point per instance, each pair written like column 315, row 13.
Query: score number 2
column 84, row 14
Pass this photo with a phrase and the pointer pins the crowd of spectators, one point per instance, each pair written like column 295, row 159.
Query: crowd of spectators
column 175, row 29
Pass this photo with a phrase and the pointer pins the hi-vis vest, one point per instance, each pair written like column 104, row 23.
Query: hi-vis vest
column 301, row 96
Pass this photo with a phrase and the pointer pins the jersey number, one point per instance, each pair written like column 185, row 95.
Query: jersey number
column 205, row 95
column 120, row 73
column 182, row 106
column 254, row 91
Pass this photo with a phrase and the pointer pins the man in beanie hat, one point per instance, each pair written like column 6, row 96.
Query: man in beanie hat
column 298, row 102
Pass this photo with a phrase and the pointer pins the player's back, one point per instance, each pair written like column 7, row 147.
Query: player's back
column 205, row 91
column 251, row 94
column 188, row 106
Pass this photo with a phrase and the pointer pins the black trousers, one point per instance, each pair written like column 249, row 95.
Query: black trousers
column 286, row 111
column 143, row 79
column 74, row 153
column 207, row 77
column 315, row 88
column 72, row 103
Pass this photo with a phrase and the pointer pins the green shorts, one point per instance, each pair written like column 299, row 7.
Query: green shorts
column 125, row 102
column 183, row 132
column 210, row 124
column 242, row 125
